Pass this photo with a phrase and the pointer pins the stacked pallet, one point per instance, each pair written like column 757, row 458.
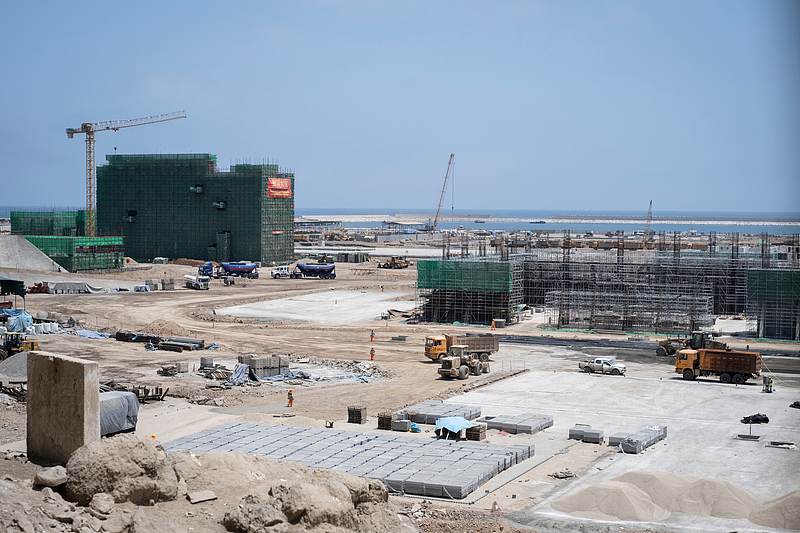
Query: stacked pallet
column 576, row 432
column 428, row 411
column 356, row 415
column 385, row 420
column 642, row 440
column 476, row 432
column 594, row 436
column 524, row 423
column 264, row 365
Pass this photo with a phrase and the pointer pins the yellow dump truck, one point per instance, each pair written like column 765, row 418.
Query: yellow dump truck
column 731, row 366
column 482, row 346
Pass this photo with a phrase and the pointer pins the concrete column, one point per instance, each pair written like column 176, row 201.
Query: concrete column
column 63, row 405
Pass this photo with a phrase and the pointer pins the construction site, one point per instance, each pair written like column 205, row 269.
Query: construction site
column 174, row 359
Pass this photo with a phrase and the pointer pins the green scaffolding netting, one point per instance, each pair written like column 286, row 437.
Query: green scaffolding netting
column 465, row 275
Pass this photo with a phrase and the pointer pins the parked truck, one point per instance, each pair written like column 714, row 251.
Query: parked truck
column 14, row 342
column 730, row 365
column 603, row 365
column 314, row 270
column 436, row 347
column 459, row 363
column 281, row 272
column 239, row 268
column 395, row 262
column 197, row 282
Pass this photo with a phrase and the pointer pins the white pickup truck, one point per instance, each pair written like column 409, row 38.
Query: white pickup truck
column 281, row 272
column 603, row 365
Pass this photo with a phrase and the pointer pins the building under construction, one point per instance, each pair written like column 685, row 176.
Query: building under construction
column 181, row 205
column 61, row 236
column 657, row 290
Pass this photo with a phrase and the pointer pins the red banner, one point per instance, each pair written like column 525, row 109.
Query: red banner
column 279, row 187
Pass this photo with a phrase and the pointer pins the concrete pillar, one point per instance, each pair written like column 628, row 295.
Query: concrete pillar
column 63, row 405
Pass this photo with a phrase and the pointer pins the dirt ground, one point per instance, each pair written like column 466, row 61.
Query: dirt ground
column 409, row 376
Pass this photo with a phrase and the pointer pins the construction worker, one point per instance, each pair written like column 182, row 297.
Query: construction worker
column 769, row 385
column 381, row 288
column 493, row 324
column 291, row 398
column 372, row 354
column 372, row 336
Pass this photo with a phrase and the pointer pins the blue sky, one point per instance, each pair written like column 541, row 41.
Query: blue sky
column 547, row 105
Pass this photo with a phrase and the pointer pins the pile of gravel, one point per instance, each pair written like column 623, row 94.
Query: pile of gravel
column 15, row 368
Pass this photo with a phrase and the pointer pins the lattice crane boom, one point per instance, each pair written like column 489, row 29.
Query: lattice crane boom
column 444, row 191
column 89, row 128
column 647, row 225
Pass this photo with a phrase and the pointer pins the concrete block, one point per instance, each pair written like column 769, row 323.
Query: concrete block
column 63, row 405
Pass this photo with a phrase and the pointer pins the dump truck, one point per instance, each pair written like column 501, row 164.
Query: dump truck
column 459, row 363
column 14, row 342
column 697, row 340
column 603, row 365
column 197, row 282
column 482, row 345
column 314, row 270
column 730, row 365
column 395, row 262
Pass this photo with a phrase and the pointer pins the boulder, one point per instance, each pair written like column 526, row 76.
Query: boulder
column 128, row 467
column 51, row 477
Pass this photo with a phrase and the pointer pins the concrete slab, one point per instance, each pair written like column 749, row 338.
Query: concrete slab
column 17, row 253
column 328, row 307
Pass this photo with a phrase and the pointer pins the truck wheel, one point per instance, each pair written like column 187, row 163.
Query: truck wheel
column 3, row 354
column 615, row 372
column 672, row 349
column 688, row 374
column 439, row 358
column 725, row 377
column 738, row 379
column 661, row 351
column 476, row 370
column 587, row 369
column 463, row 372
column 333, row 276
column 484, row 357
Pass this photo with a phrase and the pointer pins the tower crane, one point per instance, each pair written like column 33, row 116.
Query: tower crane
column 89, row 128
column 444, row 190
column 647, row 226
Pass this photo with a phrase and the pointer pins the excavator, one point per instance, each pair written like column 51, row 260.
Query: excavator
column 13, row 343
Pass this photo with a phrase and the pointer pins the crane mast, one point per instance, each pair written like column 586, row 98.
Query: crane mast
column 647, row 226
column 444, row 190
column 89, row 129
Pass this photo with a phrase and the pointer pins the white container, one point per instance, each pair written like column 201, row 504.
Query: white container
column 38, row 328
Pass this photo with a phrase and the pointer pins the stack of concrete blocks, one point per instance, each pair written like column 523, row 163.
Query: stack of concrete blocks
column 576, row 432
column 594, row 436
column 524, row 423
column 183, row 367
column 401, row 425
column 616, row 438
column 167, row 284
column 63, row 406
column 428, row 411
column 152, row 283
column 266, row 366
column 206, row 362
column 427, row 467
column 640, row 441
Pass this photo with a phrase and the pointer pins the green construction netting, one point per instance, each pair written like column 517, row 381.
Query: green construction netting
column 465, row 275
column 773, row 285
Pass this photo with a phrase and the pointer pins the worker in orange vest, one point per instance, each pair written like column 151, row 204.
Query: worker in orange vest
column 372, row 336
column 291, row 398
column 372, row 354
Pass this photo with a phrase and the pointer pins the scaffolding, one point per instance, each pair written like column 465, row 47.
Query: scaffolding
column 182, row 205
column 468, row 291
column 54, row 223
column 81, row 253
column 665, row 289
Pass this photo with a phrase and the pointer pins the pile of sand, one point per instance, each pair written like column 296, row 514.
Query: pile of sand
column 648, row 496
column 780, row 513
column 164, row 328
column 702, row 497
column 611, row 500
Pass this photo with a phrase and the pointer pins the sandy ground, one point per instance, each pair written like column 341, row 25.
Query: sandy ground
column 702, row 417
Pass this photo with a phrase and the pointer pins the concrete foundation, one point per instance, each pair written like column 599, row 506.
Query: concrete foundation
column 63, row 405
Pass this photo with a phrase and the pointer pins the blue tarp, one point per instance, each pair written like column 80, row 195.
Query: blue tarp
column 23, row 319
column 289, row 375
column 88, row 334
column 453, row 424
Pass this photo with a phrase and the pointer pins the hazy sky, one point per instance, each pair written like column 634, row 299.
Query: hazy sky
column 547, row 105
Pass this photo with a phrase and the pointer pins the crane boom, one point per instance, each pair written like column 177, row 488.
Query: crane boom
column 444, row 190
column 647, row 226
column 89, row 128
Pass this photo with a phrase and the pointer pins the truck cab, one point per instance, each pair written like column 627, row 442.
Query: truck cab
column 435, row 347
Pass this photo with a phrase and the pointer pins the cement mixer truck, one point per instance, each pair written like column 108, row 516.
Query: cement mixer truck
column 314, row 270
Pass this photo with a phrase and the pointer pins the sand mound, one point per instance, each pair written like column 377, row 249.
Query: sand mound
column 713, row 497
column 611, row 500
column 662, row 487
column 164, row 328
column 780, row 513
column 15, row 368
